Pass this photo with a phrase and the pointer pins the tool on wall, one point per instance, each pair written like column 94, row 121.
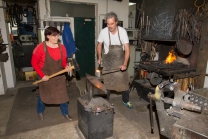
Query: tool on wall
column 184, row 46
column 16, row 12
column 139, row 23
column 198, row 7
column 147, row 26
column 188, row 24
column 55, row 24
column 61, row 25
column 76, row 67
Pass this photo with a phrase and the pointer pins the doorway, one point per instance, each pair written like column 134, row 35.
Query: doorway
column 85, row 42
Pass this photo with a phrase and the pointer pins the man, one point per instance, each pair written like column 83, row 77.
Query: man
column 116, row 56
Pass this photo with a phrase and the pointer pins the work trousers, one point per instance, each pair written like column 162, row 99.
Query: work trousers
column 125, row 95
column 41, row 107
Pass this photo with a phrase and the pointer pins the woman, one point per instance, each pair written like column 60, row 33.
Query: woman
column 50, row 57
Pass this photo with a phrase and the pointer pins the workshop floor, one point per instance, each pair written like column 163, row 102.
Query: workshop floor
column 134, row 124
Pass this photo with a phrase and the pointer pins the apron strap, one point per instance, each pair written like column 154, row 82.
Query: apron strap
column 60, row 49
column 118, row 37
column 109, row 38
column 44, row 46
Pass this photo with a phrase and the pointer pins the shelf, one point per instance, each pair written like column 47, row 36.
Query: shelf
column 29, row 23
column 22, row 1
column 162, row 40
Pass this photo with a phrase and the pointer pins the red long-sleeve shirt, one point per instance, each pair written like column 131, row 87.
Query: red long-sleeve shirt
column 38, row 57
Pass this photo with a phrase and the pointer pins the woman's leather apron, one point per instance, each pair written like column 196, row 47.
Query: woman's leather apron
column 118, row 81
column 54, row 90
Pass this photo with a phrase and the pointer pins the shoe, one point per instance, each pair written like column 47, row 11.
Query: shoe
column 40, row 116
column 128, row 105
column 68, row 117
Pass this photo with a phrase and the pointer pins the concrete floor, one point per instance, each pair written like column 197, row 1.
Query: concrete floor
column 128, row 124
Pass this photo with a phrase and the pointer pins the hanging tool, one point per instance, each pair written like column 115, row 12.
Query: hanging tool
column 75, row 66
column 184, row 46
column 61, row 29
column 55, row 24
column 198, row 7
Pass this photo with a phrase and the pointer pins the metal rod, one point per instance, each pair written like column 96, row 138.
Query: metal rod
column 151, row 116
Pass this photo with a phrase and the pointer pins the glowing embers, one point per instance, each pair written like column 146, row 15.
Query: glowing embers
column 98, row 73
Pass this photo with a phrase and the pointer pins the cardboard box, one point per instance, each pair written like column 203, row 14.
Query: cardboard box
column 31, row 75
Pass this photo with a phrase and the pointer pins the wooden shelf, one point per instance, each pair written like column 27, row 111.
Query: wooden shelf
column 22, row 1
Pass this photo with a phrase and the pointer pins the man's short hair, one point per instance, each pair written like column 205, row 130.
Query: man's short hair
column 110, row 15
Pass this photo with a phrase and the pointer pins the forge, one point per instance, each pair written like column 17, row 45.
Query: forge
column 170, row 69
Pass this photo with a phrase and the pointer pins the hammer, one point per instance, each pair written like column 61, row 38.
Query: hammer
column 75, row 66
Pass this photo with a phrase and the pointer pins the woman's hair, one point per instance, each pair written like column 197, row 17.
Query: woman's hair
column 51, row 31
column 110, row 15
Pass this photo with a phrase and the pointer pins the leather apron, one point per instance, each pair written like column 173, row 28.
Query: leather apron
column 118, row 81
column 54, row 90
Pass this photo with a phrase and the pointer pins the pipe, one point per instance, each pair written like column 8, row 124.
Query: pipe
column 106, row 6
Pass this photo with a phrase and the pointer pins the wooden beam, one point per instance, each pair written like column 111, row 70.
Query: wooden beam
column 203, row 53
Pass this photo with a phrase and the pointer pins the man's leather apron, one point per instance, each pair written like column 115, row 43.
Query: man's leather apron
column 118, row 81
column 54, row 90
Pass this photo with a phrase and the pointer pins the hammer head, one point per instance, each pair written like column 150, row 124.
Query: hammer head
column 76, row 65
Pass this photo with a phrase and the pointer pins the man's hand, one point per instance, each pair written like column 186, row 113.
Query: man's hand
column 126, row 57
column 99, row 61
column 68, row 68
column 45, row 78
column 99, row 50
column 123, row 67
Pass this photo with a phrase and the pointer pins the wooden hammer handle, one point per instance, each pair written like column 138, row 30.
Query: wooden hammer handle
column 53, row 75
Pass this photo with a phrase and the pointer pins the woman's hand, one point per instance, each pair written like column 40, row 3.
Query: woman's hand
column 45, row 78
column 68, row 68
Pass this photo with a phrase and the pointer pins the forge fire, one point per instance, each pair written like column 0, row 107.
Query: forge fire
column 171, row 57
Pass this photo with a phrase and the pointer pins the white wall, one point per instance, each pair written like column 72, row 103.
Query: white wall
column 7, row 70
column 101, row 8
column 132, row 18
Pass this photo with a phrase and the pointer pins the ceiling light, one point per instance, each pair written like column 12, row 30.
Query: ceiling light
column 131, row 3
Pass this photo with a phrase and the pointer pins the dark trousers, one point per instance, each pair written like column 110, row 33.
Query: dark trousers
column 125, row 95
column 41, row 107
